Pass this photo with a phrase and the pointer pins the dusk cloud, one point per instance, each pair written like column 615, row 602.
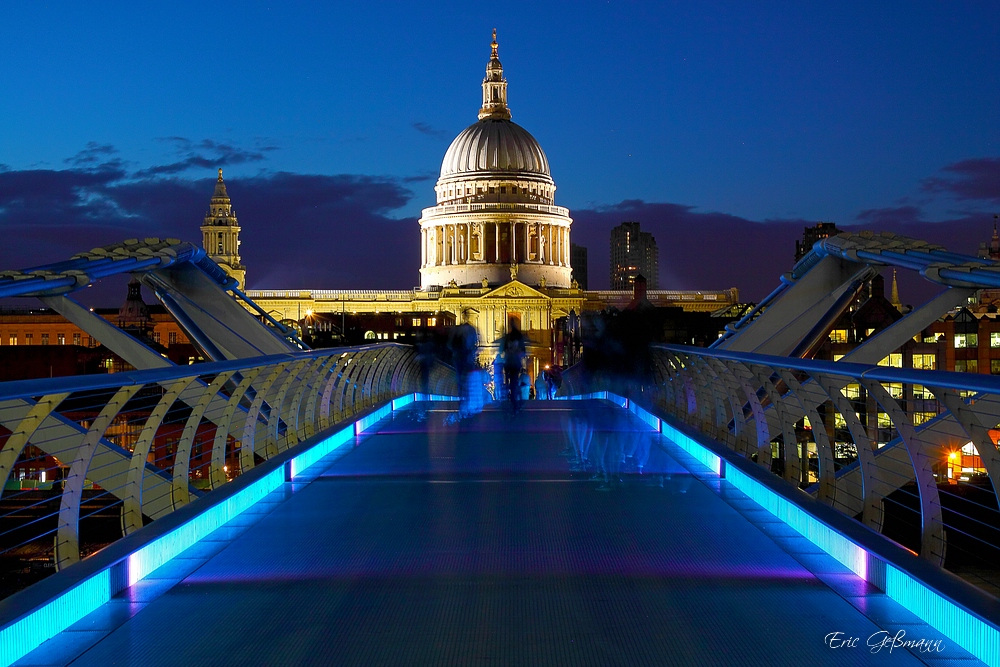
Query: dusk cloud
column 426, row 128
column 975, row 179
column 313, row 231
column 205, row 154
column 299, row 230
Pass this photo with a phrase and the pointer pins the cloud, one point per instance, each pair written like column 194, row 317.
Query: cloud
column 92, row 154
column 313, row 231
column 976, row 179
column 205, row 154
column 429, row 130
column 299, row 230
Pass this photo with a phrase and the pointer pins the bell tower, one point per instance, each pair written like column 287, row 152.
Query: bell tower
column 221, row 234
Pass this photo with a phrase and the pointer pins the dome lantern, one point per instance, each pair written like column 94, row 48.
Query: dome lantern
column 494, row 87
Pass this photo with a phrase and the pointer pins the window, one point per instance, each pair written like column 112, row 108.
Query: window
column 839, row 421
column 931, row 338
column 838, row 336
column 967, row 365
column 895, row 389
column 61, row 339
column 894, row 360
column 13, row 339
column 45, row 339
column 172, row 338
column 922, row 393
column 76, row 339
column 156, row 336
column 836, row 357
column 995, row 339
column 369, row 335
column 29, row 339
column 416, row 321
column 995, row 366
column 852, row 391
column 925, row 362
column 432, row 321
column 923, row 417
column 884, row 421
column 966, row 340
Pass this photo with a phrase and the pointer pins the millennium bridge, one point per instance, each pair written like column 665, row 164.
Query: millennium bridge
column 280, row 505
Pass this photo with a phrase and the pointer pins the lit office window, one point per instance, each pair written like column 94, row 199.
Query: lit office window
column 966, row 340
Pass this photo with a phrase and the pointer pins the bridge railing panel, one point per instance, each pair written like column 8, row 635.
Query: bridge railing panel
column 911, row 454
column 87, row 459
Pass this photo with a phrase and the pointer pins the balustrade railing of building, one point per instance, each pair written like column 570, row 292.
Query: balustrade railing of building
column 87, row 459
column 911, row 454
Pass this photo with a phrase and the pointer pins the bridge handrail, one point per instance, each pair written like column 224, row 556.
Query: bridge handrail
column 136, row 446
column 909, row 453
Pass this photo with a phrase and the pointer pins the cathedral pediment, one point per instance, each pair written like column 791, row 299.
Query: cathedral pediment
column 515, row 289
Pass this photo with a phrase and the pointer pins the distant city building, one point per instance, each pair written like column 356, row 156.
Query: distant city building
column 821, row 230
column 633, row 252
column 578, row 263
column 991, row 249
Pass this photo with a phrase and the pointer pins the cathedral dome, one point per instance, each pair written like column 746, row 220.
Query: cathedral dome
column 495, row 146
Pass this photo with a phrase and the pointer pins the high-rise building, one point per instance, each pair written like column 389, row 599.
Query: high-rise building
column 821, row 230
column 578, row 262
column 633, row 252
column 221, row 233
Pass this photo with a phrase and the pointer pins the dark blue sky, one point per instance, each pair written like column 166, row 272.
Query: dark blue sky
column 722, row 127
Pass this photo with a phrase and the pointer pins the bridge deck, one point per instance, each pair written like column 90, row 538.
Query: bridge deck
column 474, row 543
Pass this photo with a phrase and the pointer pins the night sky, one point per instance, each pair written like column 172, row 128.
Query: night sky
column 722, row 127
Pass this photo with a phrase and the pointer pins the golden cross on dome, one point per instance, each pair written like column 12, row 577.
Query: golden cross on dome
column 494, row 44
column 220, row 174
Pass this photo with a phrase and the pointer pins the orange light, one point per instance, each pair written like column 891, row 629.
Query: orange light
column 952, row 456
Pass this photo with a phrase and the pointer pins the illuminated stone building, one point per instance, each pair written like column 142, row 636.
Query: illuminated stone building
column 220, row 233
column 495, row 249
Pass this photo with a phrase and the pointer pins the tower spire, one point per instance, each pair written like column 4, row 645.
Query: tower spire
column 221, row 233
column 494, row 87
column 894, row 298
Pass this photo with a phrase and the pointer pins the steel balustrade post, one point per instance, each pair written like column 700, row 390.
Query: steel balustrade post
column 977, row 432
column 182, row 459
column 383, row 360
column 873, row 487
column 824, row 449
column 249, row 441
column 25, row 429
column 744, row 375
column 784, row 423
column 217, row 473
column 308, row 415
column 345, row 384
column 932, row 535
column 67, row 539
column 333, row 380
column 132, row 506
column 744, row 443
column 279, row 414
column 704, row 395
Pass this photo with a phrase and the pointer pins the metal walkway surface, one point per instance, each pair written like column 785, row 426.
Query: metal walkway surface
column 437, row 542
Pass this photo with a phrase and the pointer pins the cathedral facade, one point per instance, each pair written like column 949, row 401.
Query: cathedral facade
column 495, row 249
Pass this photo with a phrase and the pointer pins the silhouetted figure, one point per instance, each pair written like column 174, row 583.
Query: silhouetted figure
column 513, row 356
column 541, row 386
column 425, row 357
column 463, row 344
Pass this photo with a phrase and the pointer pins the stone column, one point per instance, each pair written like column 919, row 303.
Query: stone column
column 513, row 242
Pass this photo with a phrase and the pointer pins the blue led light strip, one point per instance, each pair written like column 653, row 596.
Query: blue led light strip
column 49, row 619
column 968, row 630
